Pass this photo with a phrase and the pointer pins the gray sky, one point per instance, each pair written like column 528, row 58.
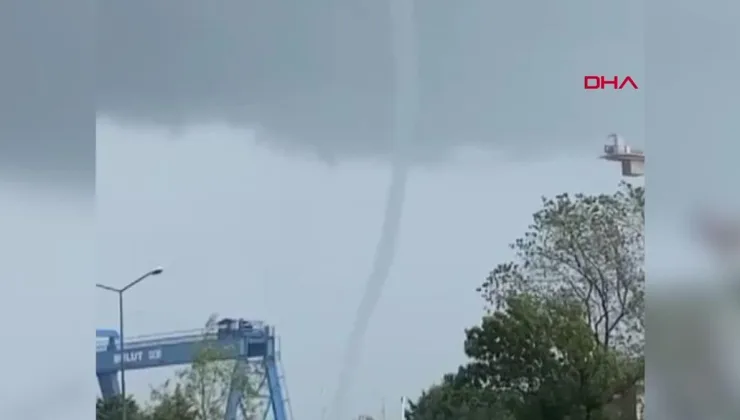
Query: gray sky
column 47, row 141
column 319, row 77
column 189, row 104
column 46, row 131
column 489, row 80
column 325, row 85
column 245, row 232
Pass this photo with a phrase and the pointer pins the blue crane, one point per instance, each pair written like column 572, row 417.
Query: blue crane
column 246, row 342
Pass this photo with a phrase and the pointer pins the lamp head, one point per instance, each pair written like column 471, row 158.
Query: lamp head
column 157, row 271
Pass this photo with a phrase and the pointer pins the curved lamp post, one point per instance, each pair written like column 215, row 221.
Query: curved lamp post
column 155, row 272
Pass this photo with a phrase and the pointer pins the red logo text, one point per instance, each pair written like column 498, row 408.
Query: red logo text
column 601, row 82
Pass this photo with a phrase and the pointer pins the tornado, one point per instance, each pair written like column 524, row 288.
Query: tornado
column 404, row 131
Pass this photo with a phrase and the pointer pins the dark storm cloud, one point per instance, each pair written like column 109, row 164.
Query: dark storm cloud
column 317, row 75
column 47, row 129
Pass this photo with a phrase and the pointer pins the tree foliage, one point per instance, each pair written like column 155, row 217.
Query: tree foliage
column 589, row 248
column 455, row 398
column 207, row 382
column 536, row 359
column 112, row 409
column 171, row 404
column 544, row 361
column 563, row 334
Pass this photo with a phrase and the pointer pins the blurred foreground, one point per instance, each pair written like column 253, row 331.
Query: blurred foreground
column 693, row 369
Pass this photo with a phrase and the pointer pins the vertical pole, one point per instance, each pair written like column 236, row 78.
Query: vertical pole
column 122, row 363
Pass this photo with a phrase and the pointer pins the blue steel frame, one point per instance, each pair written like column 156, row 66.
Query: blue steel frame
column 245, row 342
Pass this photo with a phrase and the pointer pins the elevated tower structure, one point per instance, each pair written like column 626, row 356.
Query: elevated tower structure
column 632, row 160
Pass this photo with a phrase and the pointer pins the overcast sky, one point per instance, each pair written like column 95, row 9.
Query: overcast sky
column 247, row 151
column 248, row 233
column 334, row 85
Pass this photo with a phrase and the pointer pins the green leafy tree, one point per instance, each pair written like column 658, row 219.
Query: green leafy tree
column 587, row 248
column 454, row 398
column 544, row 362
column 112, row 409
column 170, row 404
column 206, row 383
column 564, row 334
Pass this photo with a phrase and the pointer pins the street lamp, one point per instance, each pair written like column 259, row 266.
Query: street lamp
column 155, row 272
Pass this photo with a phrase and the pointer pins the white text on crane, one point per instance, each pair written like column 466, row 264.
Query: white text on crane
column 137, row 356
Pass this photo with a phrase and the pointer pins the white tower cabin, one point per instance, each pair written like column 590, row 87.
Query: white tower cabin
column 616, row 150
